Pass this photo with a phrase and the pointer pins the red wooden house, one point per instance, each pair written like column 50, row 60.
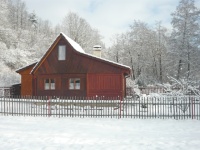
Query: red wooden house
column 66, row 70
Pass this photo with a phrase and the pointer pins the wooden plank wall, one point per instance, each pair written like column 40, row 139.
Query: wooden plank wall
column 108, row 85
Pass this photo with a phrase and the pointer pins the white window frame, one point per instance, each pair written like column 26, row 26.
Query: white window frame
column 49, row 84
column 73, row 85
column 61, row 52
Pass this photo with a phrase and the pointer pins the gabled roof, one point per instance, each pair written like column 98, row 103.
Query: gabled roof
column 77, row 48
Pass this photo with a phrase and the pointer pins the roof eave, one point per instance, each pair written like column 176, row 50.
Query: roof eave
column 26, row 67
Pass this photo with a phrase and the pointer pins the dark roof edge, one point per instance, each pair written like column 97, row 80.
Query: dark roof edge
column 26, row 67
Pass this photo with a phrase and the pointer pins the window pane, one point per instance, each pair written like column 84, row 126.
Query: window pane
column 46, row 80
column 49, row 84
column 46, row 86
column 53, row 84
column 71, row 83
column 61, row 52
column 77, row 84
column 52, row 81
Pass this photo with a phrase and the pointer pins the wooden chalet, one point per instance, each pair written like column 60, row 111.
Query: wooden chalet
column 66, row 70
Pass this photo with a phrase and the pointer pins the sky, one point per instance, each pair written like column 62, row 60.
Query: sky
column 110, row 17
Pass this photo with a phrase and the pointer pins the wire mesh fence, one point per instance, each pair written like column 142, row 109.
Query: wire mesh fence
column 179, row 107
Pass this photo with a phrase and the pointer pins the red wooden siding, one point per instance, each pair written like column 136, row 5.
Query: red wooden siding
column 104, row 85
column 26, row 82
column 75, row 63
column 97, row 76
column 61, row 85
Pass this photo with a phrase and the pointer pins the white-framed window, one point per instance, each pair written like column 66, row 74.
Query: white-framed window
column 61, row 52
column 49, row 84
column 74, row 84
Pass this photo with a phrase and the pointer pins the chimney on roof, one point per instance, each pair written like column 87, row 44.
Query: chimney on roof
column 97, row 50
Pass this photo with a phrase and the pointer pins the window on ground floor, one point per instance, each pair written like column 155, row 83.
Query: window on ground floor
column 74, row 84
column 49, row 84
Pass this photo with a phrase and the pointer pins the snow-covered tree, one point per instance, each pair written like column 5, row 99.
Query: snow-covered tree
column 144, row 50
column 181, row 87
column 185, row 38
column 33, row 20
column 21, row 43
column 161, row 49
column 80, row 31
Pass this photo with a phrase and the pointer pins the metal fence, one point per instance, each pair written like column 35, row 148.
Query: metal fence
column 181, row 107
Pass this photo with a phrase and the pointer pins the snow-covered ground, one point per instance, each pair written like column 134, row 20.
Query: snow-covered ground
column 29, row 133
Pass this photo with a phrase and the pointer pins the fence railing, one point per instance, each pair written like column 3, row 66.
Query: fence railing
column 181, row 107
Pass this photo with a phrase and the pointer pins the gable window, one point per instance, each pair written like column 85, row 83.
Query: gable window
column 74, row 83
column 49, row 84
column 61, row 52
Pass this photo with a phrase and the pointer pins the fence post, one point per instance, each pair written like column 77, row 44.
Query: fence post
column 4, row 100
column 49, row 106
column 120, row 109
column 192, row 107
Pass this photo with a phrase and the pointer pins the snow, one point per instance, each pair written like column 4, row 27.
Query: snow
column 30, row 133
column 78, row 48
column 75, row 45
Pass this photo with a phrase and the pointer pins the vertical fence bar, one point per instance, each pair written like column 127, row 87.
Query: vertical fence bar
column 120, row 108
column 19, row 102
column 191, row 107
column 44, row 106
column 62, row 108
column 4, row 111
column 194, row 110
column 64, row 100
column 58, row 106
column 9, row 101
column 49, row 106
column 139, row 107
column 77, row 107
column 90, row 108
column 71, row 107
column 12, row 107
column 22, row 106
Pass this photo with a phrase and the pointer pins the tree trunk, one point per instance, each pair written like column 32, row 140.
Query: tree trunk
column 188, row 64
column 179, row 69
column 160, row 62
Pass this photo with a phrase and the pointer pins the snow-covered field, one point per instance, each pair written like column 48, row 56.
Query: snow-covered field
column 29, row 133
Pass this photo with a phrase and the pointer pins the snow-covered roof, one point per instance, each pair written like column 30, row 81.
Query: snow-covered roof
column 75, row 45
column 79, row 49
column 106, row 60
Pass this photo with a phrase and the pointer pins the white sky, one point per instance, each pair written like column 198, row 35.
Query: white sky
column 108, row 16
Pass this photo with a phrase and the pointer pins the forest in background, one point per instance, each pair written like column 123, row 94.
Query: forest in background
column 154, row 53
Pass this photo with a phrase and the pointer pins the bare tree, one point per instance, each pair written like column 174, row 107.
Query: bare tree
column 80, row 31
column 185, row 36
column 161, row 49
